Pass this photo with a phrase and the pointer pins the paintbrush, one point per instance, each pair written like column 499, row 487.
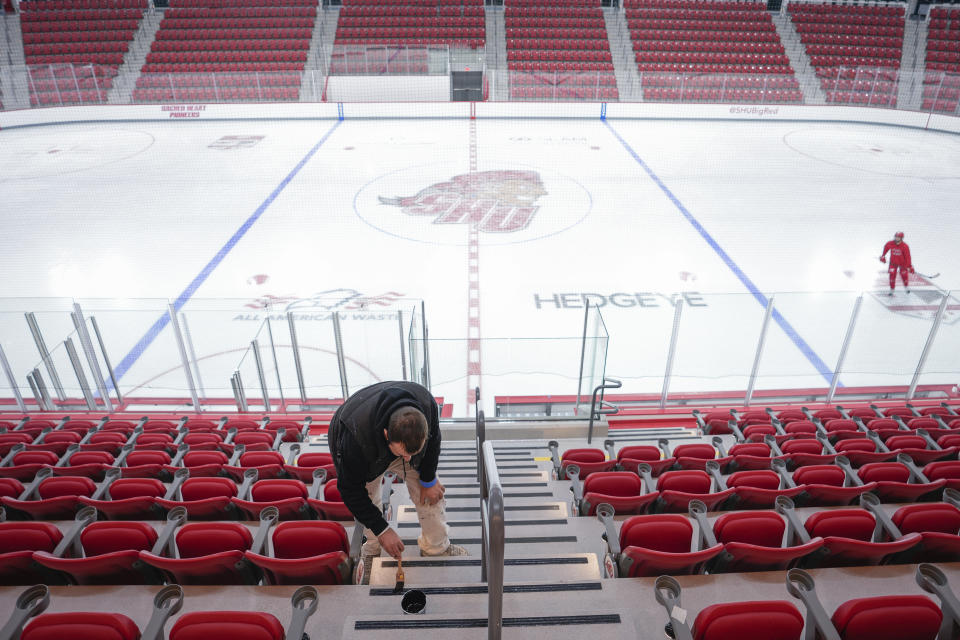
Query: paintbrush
column 397, row 588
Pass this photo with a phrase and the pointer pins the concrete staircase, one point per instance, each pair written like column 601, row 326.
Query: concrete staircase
column 799, row 60
column 621, row 52
column 318, row 58
column 495, row 54
column 14, row 83
column 135, row 58
column 910, row 88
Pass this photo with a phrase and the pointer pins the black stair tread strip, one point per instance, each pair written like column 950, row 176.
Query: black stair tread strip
column 527, row 474
column 470, row 623
column 508, row 540
column 513, row 507
column 507, row 588
column 475, row 562
column 512, row 494
column 476, row 523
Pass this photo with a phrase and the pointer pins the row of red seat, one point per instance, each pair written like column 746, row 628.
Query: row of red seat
column 407, row 21
column 68, row 84
column 851, row 29
column 221, row 67
column 951, row 57
column 704, row 35
column 50, row 37
column 209, row 625
column 846, row 18
column 862, row 98
column 402, row 43
column 519, row 22
column 564, row 93
column 518, row 79
column 853, row 61
column 210, row 553
column 578, row 44
column 698, row 26
column 867, row 85
column 689, row 69
column 39, row 17
column 942, row 106
column 351, row 67
column 697, row 5
column 186, row 57
column 853, row 51
column 245, row 44
column 514, row 11
column 190, row 24
column 734, row 81
column 40, row 98
column 234, row 34
column 718, row 47
column 117, row 46
column 706, row 15
column 102, row 59
column 586, row 33
column 30, row 6
column 852, row 40
column 428, row 33
column 189, row 80
column 558, row 55
column 660, row 544
column 697, row 58
column 381, row 9
column 227, row 4
column 228, row 94
column 259, row 11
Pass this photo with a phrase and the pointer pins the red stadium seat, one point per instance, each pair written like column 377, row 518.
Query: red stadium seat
column 205, row 498
column 752, row 541
column 892, row 482
column 307, row 463
column 652, row 545
column 111, row 555
column 847, row 535
column 306, row 553
column 678, row 488
column 824, row 485
column 629, row 457
column 331, row 507
column 888, row 618
column 758, row 489
column 938, row 525
column 622, row 490
column 287, row 495
column 58, row 498
column 207, row 553
column 129, row 499
column 227, row 625
column 18, row 542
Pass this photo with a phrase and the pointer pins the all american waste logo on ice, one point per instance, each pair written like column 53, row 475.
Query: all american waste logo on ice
column 350, row 303
column 431, row 204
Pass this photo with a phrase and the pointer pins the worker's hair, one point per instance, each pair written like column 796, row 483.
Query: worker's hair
column 408, row 426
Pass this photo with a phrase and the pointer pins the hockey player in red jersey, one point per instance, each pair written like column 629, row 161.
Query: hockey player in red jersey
column 899, row 259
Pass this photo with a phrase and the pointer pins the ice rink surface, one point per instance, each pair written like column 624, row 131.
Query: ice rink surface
column 515, row 221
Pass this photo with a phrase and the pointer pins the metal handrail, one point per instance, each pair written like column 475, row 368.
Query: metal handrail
column 606, row 408
column 491, row 521
column 481, row 435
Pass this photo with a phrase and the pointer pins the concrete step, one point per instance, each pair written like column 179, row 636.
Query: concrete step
column 464, row 569
column 609, row 623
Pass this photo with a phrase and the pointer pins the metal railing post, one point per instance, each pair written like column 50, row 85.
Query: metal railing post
column 276, row 362
column 583, row 351
column 426, row 345
column 13, row 383
column 403, row 349
column 87, row 345
column 492, row 526
column 341, row 360
column 928, row 345
column 843, row 349
column 238, row 394
column 296, row 357
column 175, row 326
column 193, row 355
column 36, row 393
column 106, row 358
column 45, row 355
column 675, row 333
column 78, row 371
column 42, row 388
column 261, row 374
column 759, row 354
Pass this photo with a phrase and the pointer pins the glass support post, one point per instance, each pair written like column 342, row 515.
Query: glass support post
column 44, row 392
column 175, row 326
column 237, row 385
column 931, row 337
column 78, row 371
column 36, row 392
column 403, row 350
column 674, row 335
column 261, row 374
column 843, row 349
column 45, row 355
column 296, row 357
column 87, row 345
column 106, row 358
column 276, row 363
column 759, row 354
column 341, row 360
column 193, row 355
column 7, row 371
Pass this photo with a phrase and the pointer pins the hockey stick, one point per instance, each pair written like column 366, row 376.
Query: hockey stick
column 930, row 276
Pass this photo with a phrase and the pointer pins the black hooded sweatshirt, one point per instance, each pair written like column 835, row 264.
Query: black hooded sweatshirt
column 359, row 448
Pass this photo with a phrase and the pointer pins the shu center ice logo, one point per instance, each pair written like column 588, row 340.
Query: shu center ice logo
column 493, row 201
column 503, row 206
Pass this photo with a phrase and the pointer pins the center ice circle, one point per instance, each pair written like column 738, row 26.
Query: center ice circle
column 434, row 205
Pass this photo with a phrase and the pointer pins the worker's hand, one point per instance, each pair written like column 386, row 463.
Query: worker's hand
column 883, row 260
column 432, row 495
column 391, row 542
column 911, row 270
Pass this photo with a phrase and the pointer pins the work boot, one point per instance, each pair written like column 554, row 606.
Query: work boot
column 452, row 550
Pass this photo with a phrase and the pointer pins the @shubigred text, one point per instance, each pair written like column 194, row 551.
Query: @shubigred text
column 642, row 299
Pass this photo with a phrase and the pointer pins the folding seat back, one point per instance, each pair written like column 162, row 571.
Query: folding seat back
column 759, row 479
column 205, row 488
column 761, row 528
column 588, row 460
column 758, row 449
column 752, row 541
column 58, row 487
column 82, row 626
column 18, row 542
column 658, row 544
column 938, row 524
column 884, row 472
column 906, row 442
column 200, row 441
column 805, row 445
column 227, row 625
column 331, row 506
column 696, row 482
column 800, row 426
column 252, row 439
column 847, row 536
column 10, row 488
column 840, row 425
column 208, row 553
column 888, row 618
column 820, row 474
column 35, row 457
column 138, row 458
column 202, row 539
column 111, row 554
column 289, row 496
column 948, row 470
column 629, row 457
column 622, row 490
column 728, row 621
column 313, row 552
column 856, row 524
